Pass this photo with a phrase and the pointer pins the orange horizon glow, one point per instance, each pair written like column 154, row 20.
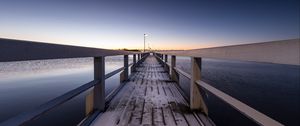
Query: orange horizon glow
column 155, row 46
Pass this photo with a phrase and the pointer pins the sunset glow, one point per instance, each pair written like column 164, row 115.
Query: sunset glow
column 170, row 25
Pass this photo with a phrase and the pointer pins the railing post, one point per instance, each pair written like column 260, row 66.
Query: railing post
column 124, row 74
column 99, row 88
column 174, row 75
column 196, row 100
column 139, row 57
column 134, row 59
column 125, row 67
column 166, row 66
column 166, row 58
column 134, row 63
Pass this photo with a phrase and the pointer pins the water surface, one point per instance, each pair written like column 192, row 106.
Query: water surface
column 27, row 84
column 272, row 89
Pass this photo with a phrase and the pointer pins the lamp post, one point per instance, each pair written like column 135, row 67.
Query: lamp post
column 145, row 41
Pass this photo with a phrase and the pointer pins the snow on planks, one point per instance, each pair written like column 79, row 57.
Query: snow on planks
column 148, row 98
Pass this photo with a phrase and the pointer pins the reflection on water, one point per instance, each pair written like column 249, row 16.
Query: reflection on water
column 27, row 84
column 272, row 89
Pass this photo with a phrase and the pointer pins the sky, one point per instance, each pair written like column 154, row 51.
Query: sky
column 170, row 24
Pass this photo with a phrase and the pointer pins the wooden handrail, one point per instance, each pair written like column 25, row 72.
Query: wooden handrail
column 113, row 73
column 243, row 108
column 246, row 110
column 32, row 114
column 40, row 110
column 182, row 72
column 20, row 50
column 280, row 52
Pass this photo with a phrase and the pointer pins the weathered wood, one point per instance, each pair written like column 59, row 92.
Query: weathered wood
column 280, row 52
column 251, row 113
column 139, row 56
column 122, row 77
column 196, row 100
column 187, row 112
column 19, row 50
column 132, row 69
column 114, row 72
column 174, row 75
column 89, row 102
column 181, row 72
column 134, row 59
column 126, row 72
column 116, row 107
column 99, row 88
column 166, row 58
column 153, row 100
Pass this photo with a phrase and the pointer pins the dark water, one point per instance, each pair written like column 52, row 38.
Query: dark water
column 272, row 89
column 27, row 84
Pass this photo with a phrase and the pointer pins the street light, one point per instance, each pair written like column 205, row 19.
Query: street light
column 145, row 41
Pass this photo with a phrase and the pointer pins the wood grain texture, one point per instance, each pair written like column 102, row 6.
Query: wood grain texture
column 19, row 50
column 149, row 98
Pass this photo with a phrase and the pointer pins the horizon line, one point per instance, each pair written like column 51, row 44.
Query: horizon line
column 141, row 49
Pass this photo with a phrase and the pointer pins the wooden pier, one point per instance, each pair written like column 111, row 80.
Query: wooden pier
column 150, row 97
column 151, row 94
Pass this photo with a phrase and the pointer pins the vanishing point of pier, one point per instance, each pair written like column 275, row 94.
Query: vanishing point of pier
column 149, row 91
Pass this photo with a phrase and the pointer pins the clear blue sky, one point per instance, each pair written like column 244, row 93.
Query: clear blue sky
column 170, row 24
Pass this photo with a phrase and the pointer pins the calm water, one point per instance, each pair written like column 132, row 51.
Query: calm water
column 27, row 84
column 270, row 88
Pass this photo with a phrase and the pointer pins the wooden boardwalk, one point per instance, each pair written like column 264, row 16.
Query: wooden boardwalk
column 149, row 98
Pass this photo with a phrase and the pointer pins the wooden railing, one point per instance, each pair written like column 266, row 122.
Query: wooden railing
column 17, row 50
column 280, row 52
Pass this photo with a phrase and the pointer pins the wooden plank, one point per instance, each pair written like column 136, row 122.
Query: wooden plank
column 157, row 115
column 152, row 102
column 125, row 116
column 112, row 114
column 184, row 108
column 147, row 113
column 168, row 117
column 174, row 106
